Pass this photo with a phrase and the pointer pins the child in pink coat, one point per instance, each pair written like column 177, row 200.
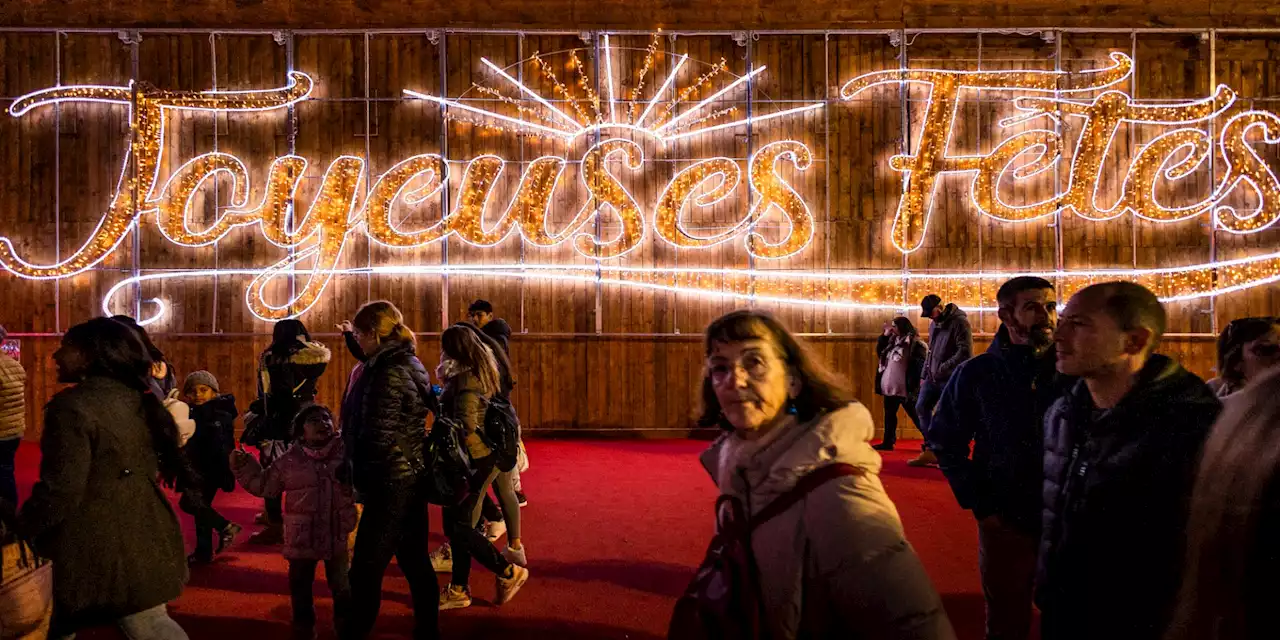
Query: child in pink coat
column 319, row 510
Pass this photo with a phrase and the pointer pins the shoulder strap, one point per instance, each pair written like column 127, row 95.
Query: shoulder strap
column 807, row 484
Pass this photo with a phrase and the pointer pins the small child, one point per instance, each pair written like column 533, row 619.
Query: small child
column 207, row 449
column 319, row 507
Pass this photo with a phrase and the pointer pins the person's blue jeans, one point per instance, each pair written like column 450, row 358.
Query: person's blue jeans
column 930, row 393
column 9, row 485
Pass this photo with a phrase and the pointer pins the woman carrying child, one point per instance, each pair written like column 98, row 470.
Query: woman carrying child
column 319, row 510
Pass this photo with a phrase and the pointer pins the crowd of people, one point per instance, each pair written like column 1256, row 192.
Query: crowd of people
column 1101, row 474
column 1111, row 488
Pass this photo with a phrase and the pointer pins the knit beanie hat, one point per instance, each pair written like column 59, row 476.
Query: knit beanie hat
column 200, row 377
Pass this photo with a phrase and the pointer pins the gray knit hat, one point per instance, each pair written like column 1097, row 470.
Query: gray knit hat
column 200, row 377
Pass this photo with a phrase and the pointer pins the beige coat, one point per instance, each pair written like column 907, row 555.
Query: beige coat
column 13, row 398
column 836, row 564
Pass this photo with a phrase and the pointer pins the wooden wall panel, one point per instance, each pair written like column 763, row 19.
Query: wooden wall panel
column 589, row 356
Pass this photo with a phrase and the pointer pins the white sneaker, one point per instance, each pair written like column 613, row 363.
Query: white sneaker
column 442, row 559
column 515, row 556
column 495, row 530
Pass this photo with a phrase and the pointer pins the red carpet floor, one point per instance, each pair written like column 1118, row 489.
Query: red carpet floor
column 614, row 530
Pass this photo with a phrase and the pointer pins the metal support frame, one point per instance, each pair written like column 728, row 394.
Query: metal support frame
column 899, row 38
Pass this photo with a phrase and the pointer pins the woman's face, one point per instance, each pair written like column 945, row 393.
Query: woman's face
column 368, row 341
column 752, row 382
column 1258, row 356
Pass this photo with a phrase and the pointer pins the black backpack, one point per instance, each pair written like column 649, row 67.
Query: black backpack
column 723, row 602
column 502, row 432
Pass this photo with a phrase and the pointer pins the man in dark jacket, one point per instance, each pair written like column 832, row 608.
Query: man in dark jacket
column 481, row 314
column 997, row 400
column 1120, row 451
column 950, row 344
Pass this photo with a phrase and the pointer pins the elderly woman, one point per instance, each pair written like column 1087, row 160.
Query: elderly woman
column 836, row 563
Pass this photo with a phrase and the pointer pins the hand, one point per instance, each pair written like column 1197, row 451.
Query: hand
column 239, row 458
column 346, row 327
column 887, row 329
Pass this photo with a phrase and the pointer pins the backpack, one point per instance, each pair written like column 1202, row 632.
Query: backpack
column 723, row 602
column 502, row 432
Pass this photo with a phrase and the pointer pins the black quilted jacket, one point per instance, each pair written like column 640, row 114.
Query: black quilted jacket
column 384, row 418
column 1116, row 490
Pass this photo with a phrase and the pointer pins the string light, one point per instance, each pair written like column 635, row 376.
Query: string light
column 775, row 192
column 849, row 290
column 723, row 174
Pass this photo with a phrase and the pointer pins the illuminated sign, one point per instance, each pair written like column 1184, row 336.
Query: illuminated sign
column 615, row 129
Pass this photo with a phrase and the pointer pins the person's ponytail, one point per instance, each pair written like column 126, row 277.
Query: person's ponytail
column 401, row 333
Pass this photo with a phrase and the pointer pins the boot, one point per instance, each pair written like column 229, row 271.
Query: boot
column 270, row 535
column 925, row 459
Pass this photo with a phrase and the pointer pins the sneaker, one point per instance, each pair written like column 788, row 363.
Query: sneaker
column 272, row 534
column 521, row 500
column 515, row 556
column 452, row 597
column 442, row 559
column 883, row 446
column 227, row 536
column 495, row 530
column 925, row 459
column 261, row 518
column 508, row 587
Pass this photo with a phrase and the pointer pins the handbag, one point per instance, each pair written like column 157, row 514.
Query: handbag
column 26, row 591
column 723, row 602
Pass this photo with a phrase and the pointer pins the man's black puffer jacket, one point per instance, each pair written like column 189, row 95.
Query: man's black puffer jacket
column 384, row 418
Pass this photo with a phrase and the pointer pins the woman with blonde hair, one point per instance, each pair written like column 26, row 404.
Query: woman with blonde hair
column 797, row 474
column 384, row 426
column 471, row 376
column 1229, row 586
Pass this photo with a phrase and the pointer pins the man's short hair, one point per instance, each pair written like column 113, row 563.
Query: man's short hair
column 1130, row 305
column 1009, row 291
column 480, row 306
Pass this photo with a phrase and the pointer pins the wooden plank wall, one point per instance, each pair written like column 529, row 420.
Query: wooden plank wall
column 589, row 357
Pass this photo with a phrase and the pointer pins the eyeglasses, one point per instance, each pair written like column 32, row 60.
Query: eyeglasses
column 755, row 364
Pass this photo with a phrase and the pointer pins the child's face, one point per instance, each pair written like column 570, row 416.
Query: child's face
column 200, row 394
column 318, row 429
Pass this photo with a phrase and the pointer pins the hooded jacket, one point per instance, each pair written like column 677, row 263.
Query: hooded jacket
column 836, row 564
column 499, row 330
column 384, row 418
column 319, row 509
column 997, row 401
column 210, row 447
column 950, row 344
column 1116, row 490
column 286, row 384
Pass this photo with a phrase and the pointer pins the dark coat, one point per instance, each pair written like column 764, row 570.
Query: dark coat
column 997, row 401
column 950, row 344
column 1116, row 492
column 209, row 449
column 384, row 418
column 286, row 384
column 99, row 512
column 915, row 367
column 499, row 330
